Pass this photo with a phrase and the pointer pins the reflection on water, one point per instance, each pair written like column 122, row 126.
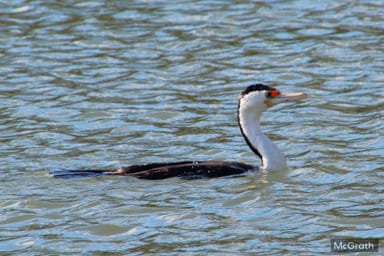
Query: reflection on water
column 101, row 84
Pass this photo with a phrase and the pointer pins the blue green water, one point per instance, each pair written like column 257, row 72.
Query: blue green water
column 104, row 84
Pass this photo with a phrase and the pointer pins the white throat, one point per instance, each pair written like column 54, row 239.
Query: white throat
column 271, row 157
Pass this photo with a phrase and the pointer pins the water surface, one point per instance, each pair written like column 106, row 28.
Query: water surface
column 103, row 84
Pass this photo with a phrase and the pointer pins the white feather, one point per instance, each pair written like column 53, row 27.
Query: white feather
column 251, row 107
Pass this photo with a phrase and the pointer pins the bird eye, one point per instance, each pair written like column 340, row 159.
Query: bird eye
column 273, row 93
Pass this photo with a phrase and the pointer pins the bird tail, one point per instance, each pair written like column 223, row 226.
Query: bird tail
column 78, row 173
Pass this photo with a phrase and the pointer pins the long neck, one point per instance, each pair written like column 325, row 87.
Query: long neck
column 271, row 157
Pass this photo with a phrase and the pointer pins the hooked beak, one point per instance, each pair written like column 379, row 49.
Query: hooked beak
column 285, row 97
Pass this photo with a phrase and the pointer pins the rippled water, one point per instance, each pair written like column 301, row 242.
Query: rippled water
column 102, row 84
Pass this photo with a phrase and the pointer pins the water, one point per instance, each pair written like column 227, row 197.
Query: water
column 103, row 84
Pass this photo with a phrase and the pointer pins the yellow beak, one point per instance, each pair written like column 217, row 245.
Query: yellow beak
column 285, row 97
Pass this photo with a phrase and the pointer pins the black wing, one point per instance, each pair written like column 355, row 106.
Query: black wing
column 156, row 171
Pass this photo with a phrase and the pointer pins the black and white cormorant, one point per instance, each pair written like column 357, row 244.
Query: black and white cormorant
column 253, row 101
